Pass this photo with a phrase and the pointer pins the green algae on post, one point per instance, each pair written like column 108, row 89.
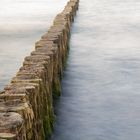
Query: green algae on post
column 26, row 104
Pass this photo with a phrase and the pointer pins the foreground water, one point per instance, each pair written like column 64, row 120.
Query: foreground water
column 101, row 85
column 101, row 98
column 22, row 22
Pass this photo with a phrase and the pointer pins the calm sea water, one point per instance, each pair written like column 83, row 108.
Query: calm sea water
column 101, row 85
column 22, row 22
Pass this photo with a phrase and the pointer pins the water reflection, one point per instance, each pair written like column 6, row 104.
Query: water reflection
column 101, row 98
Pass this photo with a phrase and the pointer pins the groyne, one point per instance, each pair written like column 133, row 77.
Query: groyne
column 26, row 104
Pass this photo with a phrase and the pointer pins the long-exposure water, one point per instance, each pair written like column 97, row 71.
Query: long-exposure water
column 22, row 22
column 101, row 85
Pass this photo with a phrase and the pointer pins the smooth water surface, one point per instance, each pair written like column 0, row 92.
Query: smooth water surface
column 101, row 85
column 22, row 22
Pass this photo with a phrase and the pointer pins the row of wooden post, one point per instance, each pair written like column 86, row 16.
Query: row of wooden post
column 26, row 104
